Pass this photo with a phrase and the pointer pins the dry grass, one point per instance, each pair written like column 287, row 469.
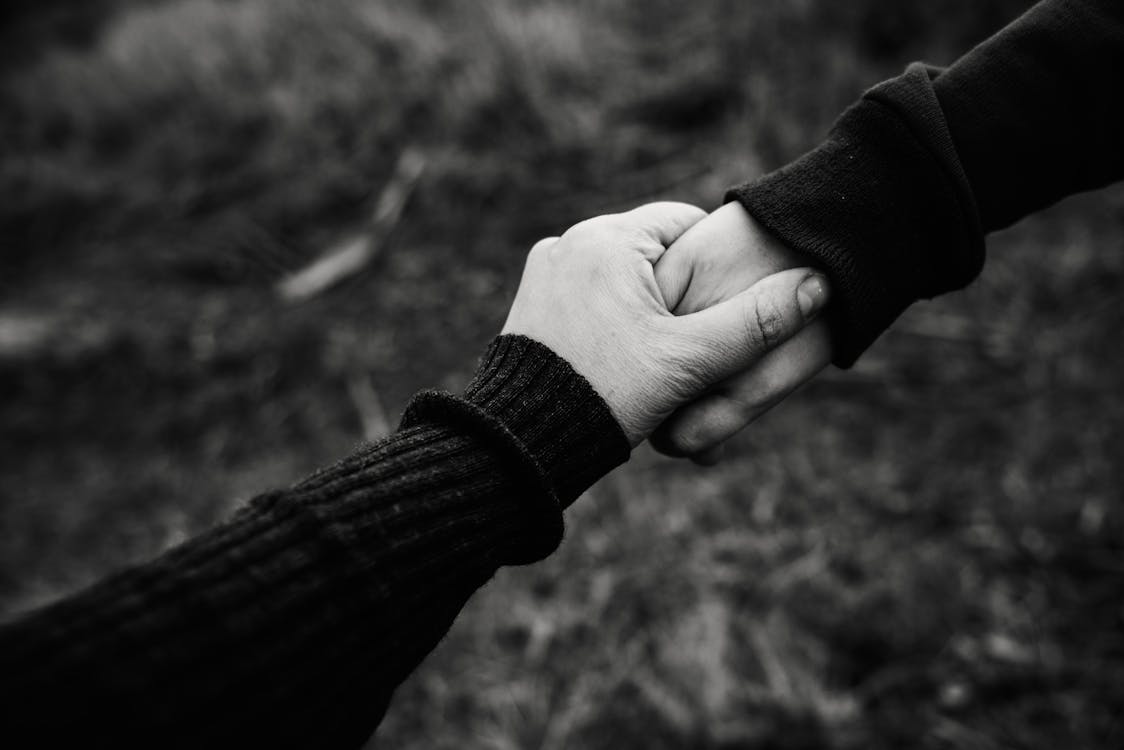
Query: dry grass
column 924, row 551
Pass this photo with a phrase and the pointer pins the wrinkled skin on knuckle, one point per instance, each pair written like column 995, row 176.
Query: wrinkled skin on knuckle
column 764, row 326
column 636, row 238
column 737, row 407
column 592, row 234
column 762, row 390
column 688, row 438
column 710, row 421
column 695, row 429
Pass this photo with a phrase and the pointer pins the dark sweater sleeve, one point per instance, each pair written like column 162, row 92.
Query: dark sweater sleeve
column 291, row 625
column 895, row 203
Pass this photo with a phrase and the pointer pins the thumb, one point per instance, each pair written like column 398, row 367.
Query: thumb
column 738, row 332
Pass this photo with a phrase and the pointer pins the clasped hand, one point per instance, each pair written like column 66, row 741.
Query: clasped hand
column 676, row 318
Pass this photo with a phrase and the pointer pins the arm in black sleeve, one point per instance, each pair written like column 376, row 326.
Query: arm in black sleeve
column 291, row 625
column 1037, row 112
column 896, row 201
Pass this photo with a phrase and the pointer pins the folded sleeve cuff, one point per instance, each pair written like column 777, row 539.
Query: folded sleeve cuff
column 550, row 425
column 882, row 205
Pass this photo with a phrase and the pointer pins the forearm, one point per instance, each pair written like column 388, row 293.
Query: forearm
column 293, row 618
column 1037, row 111
column 895, row 203
column 292, row 625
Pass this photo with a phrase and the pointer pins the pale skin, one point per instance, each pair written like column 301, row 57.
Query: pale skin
column 713, row 261
column 593, row 296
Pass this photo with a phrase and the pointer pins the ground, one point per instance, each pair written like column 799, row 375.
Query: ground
column 924, row 550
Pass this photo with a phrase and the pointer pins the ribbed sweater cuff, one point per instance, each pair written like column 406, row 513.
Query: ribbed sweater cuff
column 883, row 205
column 549, row 423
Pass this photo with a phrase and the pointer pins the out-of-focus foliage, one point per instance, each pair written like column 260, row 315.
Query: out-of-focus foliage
column 924, row 551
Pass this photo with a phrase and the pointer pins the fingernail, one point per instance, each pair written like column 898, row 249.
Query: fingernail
column 812, row 294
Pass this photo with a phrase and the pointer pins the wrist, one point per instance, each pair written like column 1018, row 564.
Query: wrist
column 554, row 413
column 883, row 206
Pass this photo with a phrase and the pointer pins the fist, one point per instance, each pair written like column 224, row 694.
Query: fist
column 593, row 297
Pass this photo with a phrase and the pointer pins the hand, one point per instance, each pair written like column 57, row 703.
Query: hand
column 591, row 296
column 716, row 260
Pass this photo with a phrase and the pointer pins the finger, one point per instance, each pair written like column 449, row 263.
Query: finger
column 663, row 221
column 702, row 425
column 728, row 236
column 711, row 457
column 676, row 267
column 734, row 335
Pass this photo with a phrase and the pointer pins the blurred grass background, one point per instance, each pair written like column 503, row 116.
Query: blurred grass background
column 925, row 551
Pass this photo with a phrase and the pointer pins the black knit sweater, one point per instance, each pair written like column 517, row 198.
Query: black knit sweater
column 291, row 625
column 896, row 201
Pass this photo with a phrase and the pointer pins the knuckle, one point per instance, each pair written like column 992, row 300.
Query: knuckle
column 681, row 208
column 764, row 325
column 630, row 235
column 754, row 393
column 743, row 410
column 542, row 246
column 692, row 213
column 689, row 438
column 590, row 229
